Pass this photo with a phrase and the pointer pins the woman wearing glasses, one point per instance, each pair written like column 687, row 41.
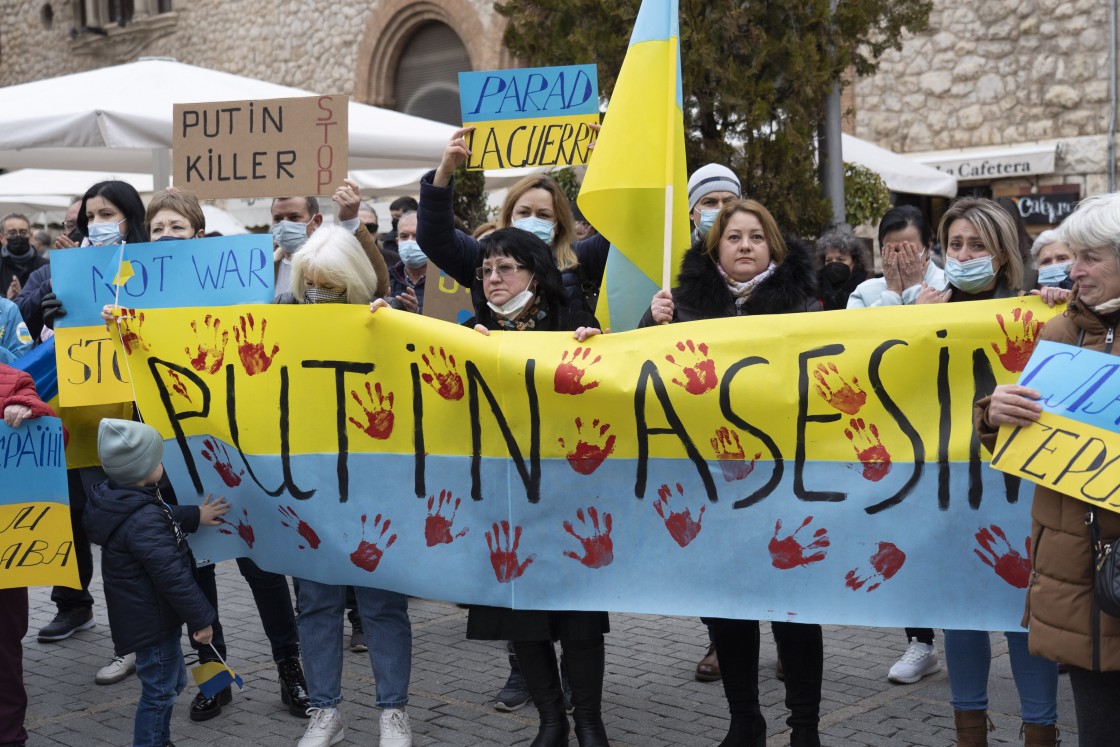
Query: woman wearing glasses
column 523, row 291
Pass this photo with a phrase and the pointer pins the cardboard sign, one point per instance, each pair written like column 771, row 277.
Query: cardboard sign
column 36, row 540
column 1074, row 447
column 809, row 467
column 218, row 271
column 444, row 298
column 265, row 148
column 530, row 116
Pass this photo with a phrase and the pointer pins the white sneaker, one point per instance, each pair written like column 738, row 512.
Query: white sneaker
column 395, row 729
column 919, row 660
column 116, row 670
column 325, row 728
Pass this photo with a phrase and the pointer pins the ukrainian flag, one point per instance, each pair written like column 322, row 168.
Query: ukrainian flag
column 635, row 191
column 213, row 677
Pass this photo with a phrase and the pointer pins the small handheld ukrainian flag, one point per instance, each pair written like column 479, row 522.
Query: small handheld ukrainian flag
column 215, row 676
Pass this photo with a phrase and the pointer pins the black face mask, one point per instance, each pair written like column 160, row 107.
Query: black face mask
column 394, row 224
column 18, row 246
column 837, row 273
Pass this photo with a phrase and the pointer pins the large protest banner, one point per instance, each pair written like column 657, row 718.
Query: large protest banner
column 216, row 272
column 265, row 148
column 36, row 542
column 537, row 116
column 1074, row 447
column 815, row 467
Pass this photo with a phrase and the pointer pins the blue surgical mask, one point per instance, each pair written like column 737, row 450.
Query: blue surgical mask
column 289, row 235
column 410, row 254
column 707, row 220
column 170, row 238
column 971, row 276
column 539, row 227
column 1054, row 274
column 105, row 234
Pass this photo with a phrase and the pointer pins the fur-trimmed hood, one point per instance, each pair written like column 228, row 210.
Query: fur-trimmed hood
column 702, row 293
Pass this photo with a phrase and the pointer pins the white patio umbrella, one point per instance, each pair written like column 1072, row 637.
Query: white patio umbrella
column 901, row 174
column 51, row 124
column 65, row 184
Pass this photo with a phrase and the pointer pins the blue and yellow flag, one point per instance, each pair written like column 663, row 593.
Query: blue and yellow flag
column 635, row 191
column 213, row 677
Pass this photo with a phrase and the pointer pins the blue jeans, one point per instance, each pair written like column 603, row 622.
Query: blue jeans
column 388, row 631
column 968, row 654
column 163, row 675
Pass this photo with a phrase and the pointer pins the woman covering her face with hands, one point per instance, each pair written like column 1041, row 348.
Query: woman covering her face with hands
column 909, row 275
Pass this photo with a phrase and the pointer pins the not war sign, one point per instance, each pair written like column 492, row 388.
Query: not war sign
column 265, row 148
column 529, row 117
column 222, row 270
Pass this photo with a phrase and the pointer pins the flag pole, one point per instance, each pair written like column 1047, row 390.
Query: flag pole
column 670, row 164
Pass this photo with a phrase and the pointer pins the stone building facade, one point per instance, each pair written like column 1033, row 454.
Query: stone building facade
column 1011, row 96
column 373, row 51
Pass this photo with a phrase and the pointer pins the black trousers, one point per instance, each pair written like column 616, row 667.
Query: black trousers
column 1096, row 698
column 64, row 598
column 801, row 650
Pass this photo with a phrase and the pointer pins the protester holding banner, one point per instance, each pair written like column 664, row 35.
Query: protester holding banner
column 524, row 291
column 744, row 267
column 111, row 212
column 906, row 243
column 1064, row 621
column 19, row 402
column 332, row 268
column 176, row 214
column 982, row 262
column 535, row 204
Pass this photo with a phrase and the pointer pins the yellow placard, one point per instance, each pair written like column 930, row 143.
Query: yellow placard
column 37, row 546
column 90, row 371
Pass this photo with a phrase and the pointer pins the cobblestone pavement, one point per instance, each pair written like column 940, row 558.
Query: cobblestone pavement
column 650, row 698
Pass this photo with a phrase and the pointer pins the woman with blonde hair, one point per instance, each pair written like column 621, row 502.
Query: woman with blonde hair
column 535, row 204
column 331, row 268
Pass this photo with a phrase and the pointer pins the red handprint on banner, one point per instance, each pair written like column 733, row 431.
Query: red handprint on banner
column 446, row 379
column 598, row 549
column 503, row 553
column 1020, row 341
column 437, row 527
column 874, row 457
column 1008, row 564
column 789, row 553
column 210, row 350
column 731, row 455
column 254, row 358
column 591, row 449
column 699, row 370
column 886, row 562
column 682, row 528
column 243, row 529
column 838, row 392
column 302, row 527
column 379, row 414
column 569, row 374
column 222, row 463
column 368, row 553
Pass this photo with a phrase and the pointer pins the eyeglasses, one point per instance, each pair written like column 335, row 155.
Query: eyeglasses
column 21, row 232
column 70, row 225
column 372, row 227
column 504, row 270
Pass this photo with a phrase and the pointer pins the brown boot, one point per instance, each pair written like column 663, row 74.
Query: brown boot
column 973, row 728
column 708, row 668
column 1040, row 735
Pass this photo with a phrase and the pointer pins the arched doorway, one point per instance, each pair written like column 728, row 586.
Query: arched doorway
column 426, row 82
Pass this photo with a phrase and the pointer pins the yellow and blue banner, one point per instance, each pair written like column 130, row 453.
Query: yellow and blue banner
column 36, row 540
column 538, row 116
column 1074, row 447
column 635, row 190
column 812, row 467
column 163, row 274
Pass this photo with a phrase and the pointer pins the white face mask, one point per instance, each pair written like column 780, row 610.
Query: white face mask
column 514, row 306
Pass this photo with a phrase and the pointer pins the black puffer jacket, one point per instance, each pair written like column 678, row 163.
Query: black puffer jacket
column 146, row 565
column 702, row 293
